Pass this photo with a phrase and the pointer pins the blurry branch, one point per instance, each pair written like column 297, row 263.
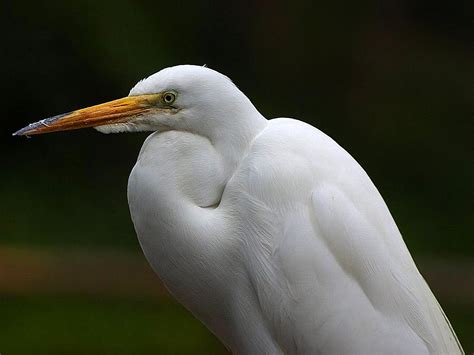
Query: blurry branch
column 77, row 272
column 125, row 274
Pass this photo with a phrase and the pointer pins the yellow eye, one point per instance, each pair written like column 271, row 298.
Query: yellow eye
column 169, row 97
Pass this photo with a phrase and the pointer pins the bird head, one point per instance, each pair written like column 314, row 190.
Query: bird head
column 185, row 97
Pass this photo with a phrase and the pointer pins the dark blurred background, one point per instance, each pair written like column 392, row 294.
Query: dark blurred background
column 391, row 81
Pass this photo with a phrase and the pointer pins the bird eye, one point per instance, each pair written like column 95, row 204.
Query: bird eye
column 169, row 97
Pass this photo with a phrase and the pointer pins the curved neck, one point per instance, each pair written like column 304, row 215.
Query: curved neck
column 178, row 179
column 234, row 148
column 232, row 137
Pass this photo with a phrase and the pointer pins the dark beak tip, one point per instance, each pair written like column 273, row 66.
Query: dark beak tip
column 17, row 133
column 22, row 132
column 32, row 127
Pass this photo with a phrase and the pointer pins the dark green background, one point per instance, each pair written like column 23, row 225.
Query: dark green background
column 391, row 81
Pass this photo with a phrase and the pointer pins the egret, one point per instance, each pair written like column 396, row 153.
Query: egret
column 268, row 231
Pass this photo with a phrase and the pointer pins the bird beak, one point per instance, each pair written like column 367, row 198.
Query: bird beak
column 116, row 111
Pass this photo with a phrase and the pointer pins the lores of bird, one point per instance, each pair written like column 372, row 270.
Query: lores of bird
column 266, row 230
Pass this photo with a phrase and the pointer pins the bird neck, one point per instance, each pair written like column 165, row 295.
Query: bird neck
column 233, row 137
column 175, row 193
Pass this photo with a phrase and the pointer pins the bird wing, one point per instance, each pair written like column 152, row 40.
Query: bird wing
column 369, row 249
column 329, row 267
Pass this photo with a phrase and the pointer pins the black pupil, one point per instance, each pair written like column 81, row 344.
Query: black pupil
column 169, row 98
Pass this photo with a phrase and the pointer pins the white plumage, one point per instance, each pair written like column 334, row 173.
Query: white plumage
column 269, row 232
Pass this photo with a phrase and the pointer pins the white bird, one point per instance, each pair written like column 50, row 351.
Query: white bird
column 268, row 231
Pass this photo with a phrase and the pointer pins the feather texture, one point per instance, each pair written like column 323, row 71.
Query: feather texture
column 275, row 237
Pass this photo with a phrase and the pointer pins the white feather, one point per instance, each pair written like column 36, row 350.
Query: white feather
column 271, row 233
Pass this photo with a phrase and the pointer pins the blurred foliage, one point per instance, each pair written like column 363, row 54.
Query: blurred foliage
column 54, row 325
column 391, row 81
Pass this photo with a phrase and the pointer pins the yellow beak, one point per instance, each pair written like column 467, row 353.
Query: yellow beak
column 116, row 111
